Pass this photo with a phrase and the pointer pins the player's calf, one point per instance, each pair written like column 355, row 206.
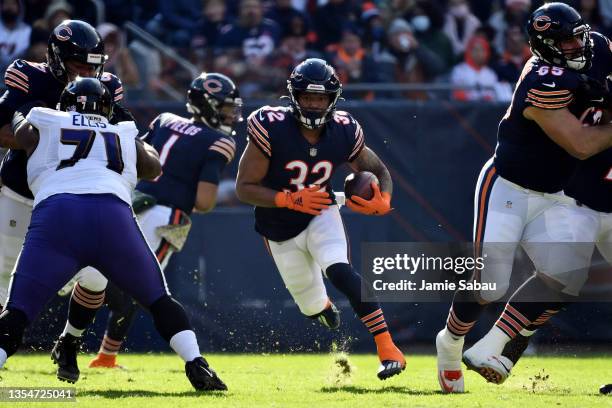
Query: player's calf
column 12, row 325
column 173, row 325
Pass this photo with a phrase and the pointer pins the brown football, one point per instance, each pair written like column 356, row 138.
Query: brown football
column 359, row 184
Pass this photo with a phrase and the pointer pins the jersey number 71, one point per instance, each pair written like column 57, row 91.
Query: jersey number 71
column 83, row 139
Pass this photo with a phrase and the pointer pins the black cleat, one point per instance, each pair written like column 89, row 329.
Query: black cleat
column 389, row 368
column 202, row 377
column 605, row 389
column 329, row 317
column 64, row 354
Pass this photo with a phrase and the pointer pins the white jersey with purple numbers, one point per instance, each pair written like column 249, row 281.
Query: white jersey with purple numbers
column 81, row 154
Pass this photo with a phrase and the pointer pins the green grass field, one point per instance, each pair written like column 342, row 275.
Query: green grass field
column 314, row 380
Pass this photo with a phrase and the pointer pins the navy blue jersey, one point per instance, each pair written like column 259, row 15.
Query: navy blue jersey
column 29, row 82
column 525, row 155
column 591, row 184
column 190, row 152
column 295, row 163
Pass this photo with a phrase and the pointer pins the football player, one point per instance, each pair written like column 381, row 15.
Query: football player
column 74, row 48
column 590, row 189
column 193, row 153
column 284, row 172
column 82, row 170
column 541, row 139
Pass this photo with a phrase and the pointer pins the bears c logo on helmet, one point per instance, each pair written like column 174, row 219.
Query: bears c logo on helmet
column 212, row 85
column 541, row 23
column 63, row 33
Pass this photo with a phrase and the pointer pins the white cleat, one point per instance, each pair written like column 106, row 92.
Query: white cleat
column 449, row 351
column 493, row 368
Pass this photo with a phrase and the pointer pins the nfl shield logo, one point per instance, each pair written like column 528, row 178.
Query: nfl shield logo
column 313, row 151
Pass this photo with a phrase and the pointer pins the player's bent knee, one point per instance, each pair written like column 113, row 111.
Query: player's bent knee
column 314, row 306
column 13, row 323
column 92, row 280
column 169, row 317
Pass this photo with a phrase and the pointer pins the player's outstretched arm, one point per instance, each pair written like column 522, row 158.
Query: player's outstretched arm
column 567, row 131
column 147, row 161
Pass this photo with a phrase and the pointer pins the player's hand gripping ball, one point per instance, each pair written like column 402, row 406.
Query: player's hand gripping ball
column 363, row 194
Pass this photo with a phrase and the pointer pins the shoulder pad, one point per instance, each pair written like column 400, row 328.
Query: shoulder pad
column 353, row 131
column 261, row 122
column 550, row 87
column 20, row 73
column 114, row 85
column 39, row 116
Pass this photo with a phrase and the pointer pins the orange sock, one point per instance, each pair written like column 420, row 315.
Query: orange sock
column 104, row 360
column 387, row 350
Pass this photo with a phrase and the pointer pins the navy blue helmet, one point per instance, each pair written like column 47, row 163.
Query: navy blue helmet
column 214, row 99
column 553, row 23
column 86, row 95
column 317, row 76
column 75, row 40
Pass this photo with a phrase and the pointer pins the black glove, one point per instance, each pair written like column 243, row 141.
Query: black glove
column 593, row 92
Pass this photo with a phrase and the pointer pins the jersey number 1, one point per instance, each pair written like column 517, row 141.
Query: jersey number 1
column 83, row 140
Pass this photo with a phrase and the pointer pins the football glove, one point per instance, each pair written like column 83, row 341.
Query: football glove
column 308, row 200
column 380, row 204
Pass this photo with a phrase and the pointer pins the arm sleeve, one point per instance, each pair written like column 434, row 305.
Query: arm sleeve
column 355, row 138
column 257, row 133
column 213, row 167
column 551, row 91
column 225, row 146
column 16, row 94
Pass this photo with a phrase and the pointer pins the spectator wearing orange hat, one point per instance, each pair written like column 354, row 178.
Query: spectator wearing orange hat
column 480, row 81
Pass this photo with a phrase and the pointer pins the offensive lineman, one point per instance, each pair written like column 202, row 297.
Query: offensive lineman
column 74, row 49
column 285, row 170
column 82, row 170
column 193, row 153
column 590, row 188
column 540, row 140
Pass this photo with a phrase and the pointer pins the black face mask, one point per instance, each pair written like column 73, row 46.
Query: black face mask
column 9, row 17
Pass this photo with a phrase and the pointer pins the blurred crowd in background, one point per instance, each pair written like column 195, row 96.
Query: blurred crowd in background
column 473, row 50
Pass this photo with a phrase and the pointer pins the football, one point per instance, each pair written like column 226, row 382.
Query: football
column 359, row 184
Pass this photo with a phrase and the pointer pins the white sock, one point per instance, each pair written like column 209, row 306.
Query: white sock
column 70, row 329
column 185, row 345
column 495, row 340
column 452, row 336
column 3, row 357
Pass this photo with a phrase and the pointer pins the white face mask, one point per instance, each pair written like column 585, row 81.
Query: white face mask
column 460, row 10
column 420, row 23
